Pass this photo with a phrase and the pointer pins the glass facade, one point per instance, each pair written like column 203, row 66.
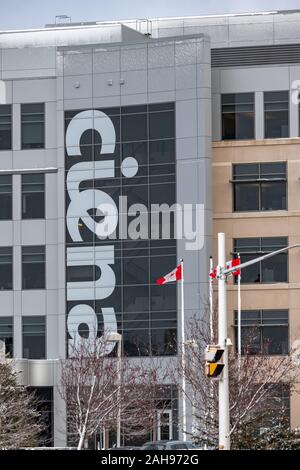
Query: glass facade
column 127, row 151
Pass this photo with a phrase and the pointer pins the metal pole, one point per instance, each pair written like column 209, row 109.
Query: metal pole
column 211, row 299
column 239, row 315
column 183, row 356
column 224, row 425
column 260, row 258
column 119, row 393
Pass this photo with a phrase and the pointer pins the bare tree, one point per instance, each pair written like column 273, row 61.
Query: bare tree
column 19, row 420
column 252, row 379
column 99, row 390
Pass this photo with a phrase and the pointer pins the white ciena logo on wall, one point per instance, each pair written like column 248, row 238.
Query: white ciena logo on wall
column 80, row 203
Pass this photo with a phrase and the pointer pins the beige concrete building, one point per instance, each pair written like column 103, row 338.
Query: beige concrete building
column 280, row 223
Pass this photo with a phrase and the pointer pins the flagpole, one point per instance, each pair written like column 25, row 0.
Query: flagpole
column 239, row 335
column 211, row 298
column 183, row 356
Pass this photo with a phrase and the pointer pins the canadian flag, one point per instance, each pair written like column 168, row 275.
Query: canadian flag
column 213, row 273
column 232, row 263
column 175, row 275
column 229, row 264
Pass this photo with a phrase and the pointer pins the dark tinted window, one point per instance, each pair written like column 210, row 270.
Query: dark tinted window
column 34, row 337
column 238, row 116
column 6, row 268
column 5, row 197
column 260, row 186
column 5, row 127
column 6, row 334
column 33, row 125
column 264, row 331
column 33, row 196
column 276, row 104
column 33, row 267
column 271, row 270
column 44, row 402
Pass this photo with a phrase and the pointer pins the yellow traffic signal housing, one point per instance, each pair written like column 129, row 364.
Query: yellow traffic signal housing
column 213, row 364
column 213, row 369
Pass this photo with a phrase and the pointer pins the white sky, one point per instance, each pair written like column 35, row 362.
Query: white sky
column 16, row 14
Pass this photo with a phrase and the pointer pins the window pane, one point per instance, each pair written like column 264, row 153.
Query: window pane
column 248, row 317
column 246, row 197
column 33, row 123
column 34, row 334
column 273, row 170
column 251, row 273
column 246, row 244
column 251, row 340
column 273, row 196
column 6, row 334
column 276, row 124
column 277, row 98
column 32, row 108
column 246, row 171
column 275, row 269
column 264, row 331
column 273, row 243
column 81, row 273
column 279, row 317
column 32, row 135
column 163, row 299
column 134, row 127
column 33, row 206
column 162, row 151
column 5, row 197
column 275, row 339
column 136, row 342
column 136, row 300
column 33, row 267
column 44, row 399
column 236, row 98
column 6, row 268
column 5, row 127
column 238, row 116
column 276, row 114
column 161, row 125
column 163, row 341
column 136, row 270
column 33, row 196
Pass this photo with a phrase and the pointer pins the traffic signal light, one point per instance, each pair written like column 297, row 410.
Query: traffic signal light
column 213, row 364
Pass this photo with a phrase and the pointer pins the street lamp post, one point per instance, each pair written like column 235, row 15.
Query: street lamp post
column 222, row 273
column 224, row 422
column 117, row 337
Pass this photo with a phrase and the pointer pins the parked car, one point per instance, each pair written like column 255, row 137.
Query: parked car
column 125, row 448
column 168, row 445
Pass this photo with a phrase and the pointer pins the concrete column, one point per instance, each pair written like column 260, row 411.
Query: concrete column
column 259, row 115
